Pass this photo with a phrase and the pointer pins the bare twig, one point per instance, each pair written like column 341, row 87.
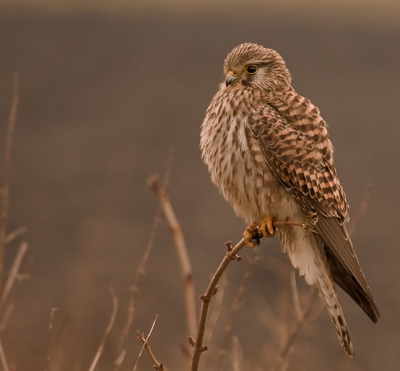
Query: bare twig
column 295, row 294
column 139, row 273
column 199, row 348
column 9, row 308
column 362, row 209
column 216, row 310
column 182, row 254
column 235, row 307
column 300, row 324
column 3, row 361
column 134, row 289
column 237, row 354
column 146, row 345
column 6, row 172
column 49, row 342
column 13, row 272
column 14, row 234
column 108, row 329
column 206, row 298
column 157, row 365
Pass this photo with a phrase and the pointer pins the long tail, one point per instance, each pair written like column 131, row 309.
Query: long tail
column 306, row 252
column 328, row 292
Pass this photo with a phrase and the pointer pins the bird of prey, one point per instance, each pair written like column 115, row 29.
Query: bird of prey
column 269, row 153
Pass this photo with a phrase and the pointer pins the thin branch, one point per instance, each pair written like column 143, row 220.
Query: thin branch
column 139, row 273
column 108, row 329
column 295, row 294
column 49, row 342
column 3, row 361
column 235, row 307
column 21, row 277
column 146, row 345
column 7, row 167
column 236, row 354
column 13, row 273
column 215, row 311
column 300, row 324
column 14, row 234
column 157, row 365
column 182, row 255
column 134, row 289
column 199, row 348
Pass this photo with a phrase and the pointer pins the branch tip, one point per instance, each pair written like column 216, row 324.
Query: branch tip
column 154, row 183
column 234, row 257
column 191, row 341
column 205, row 298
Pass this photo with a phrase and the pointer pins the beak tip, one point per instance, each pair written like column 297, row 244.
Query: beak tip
column 230, row 79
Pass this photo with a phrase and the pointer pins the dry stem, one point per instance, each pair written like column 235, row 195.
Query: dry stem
column 108, row 329
column 199, row 348
column 182, row 254
column 7, row 166
column 13, row 272
column 146, row 345
column 8, row 310
column 216, row 310
column 234, row 310
column 139, row 273
column 3, row 361
column 295, row 294
column 14, row 234
column 52, row 313
column 134, row 288
column 299, row 326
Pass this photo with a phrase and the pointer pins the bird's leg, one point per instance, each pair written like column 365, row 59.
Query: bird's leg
column 251, row 236
column 311, row 221
column 265, row 228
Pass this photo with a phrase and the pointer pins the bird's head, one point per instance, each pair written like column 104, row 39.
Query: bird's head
column 255, row 66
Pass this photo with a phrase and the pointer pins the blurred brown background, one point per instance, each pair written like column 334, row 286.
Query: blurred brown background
column 107, row 88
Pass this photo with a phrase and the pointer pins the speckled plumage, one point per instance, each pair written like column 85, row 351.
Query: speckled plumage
column 268, row 151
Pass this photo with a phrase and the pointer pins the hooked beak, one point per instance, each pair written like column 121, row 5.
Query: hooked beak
column 231, row 78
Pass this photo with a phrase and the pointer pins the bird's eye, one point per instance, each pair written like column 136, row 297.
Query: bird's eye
column 251, row 69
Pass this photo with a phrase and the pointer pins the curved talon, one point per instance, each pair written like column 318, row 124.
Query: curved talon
column 251, row 235
column 266, row 229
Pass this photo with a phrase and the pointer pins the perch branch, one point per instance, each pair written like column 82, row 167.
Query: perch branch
column 108, row 329
column 6, row 172
column 199, row 348
column 216, row 311
column 183, row 256
column 235, row 307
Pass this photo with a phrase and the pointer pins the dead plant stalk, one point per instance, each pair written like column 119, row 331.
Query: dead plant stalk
column 190, row 298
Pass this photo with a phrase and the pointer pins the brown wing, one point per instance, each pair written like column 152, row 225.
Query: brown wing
column 303, row 164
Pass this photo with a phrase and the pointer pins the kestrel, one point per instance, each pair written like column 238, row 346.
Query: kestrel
column 268, row 151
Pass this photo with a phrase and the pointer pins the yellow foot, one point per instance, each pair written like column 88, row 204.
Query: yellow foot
column 266, row 229
column 251, row 236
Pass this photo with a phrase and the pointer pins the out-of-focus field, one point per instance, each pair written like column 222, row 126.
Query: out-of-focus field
column 103, row 98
